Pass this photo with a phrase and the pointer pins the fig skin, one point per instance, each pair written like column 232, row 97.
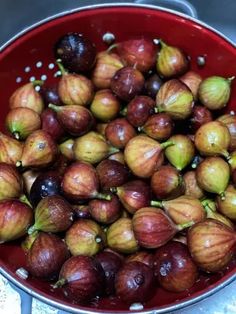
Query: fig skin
column 26, row 96
column 46, row 256
column 29, row 176
column 191, row 185
column 10, row 149
column 119, row 156
column 107, row 64
column 52, row 214
column 21, row 122
column 10, row 182
column 211, row 244
column 85, row 237
column 51, row 124
column 66, row 149
column 200, row 116
column 174, row 267
column 167, row 183
column 152, row 85
column 228, row 206
column 127, row 83
column 81, row 278
column 50, row 95
column 142, row 256
column 135, row 282
column 120, row 236
column 119, row 131
column 193, row 81
column 15, row 219
column 111, row 173
column 81, row 211
column 229, row 120
column 213, row 139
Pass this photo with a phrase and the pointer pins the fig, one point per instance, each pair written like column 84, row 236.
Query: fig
column 135, row 282
column 192, row 80
column 105, row 105
column 105, row 212
column 153, row 228
column 46, row 256
column 80, row 182
column 133, row 195
column 92, row 148
column 10, row 182
column 29, row 176
column 229, row 120
column 20, row 122
column 110, row 263
column 139, row 53
column 213, row 139
column 139, row 109
column 10, row 149
column 213, row 175
column 127, row 83
column 200, row 115
column 227, row 206
column 107, row 64
column 27, row 97
column 15, row 219
column 39, row 150
column 143, row 155
column 120, row 236
column 175, row 98
column 171, row 61
column 174, row 267
column 66, row 149
column 191, row 185
column 211, row 244
column 214, row 92
column 52, row 214
column 76, row 51
column 76, row 120
column 81, row 278
column 119, row 131
column 112, row 173
column 182, row 209
column 142, row 256
column 119, row 156
column 51, row 125
column 181, row 153
column 50, row 95
column 158, row 126
column 167, row 183
column 81, row 211
column 85, row 237
column 152, row 85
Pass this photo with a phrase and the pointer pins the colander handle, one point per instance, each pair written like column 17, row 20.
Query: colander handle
column 180, row 5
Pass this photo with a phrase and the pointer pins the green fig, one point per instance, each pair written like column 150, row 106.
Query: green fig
column 228, row 206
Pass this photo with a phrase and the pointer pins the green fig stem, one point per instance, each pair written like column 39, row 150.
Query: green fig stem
column 113, row 150
column 16, row 135
column 19, row 164
column 123, row 112
column 98, row 239
column 54, row 107
column 140, row 128
column 222, row 196
column 162, row 43
column 109, row 49
column 184, row 225
column 102, row 196
column 113, row 190
column 32, row 229
column 61, row 67
column 23, row 198
column 37, row 83
column 167, row 144
column 157, row 204
column 158, row 109
column 230, row 79
column 61, row 282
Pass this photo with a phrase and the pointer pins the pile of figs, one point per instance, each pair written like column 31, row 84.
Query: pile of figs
column 121, row 176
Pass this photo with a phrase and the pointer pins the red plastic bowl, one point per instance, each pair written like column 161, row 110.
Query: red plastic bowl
column 31, row 55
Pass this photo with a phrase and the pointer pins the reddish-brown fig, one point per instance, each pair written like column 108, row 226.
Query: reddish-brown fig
column 200, row 115
column 174, row 267
column 10, row 182
column 10, row 149
column 51, row 124
column 192, row 80
column 46, row 256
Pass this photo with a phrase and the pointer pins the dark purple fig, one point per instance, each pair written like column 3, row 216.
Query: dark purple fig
column 105, row 68
column 80, row 182
column 119, row 131
column 76, row 120
column 158, row 126
column 134, row 195
column 10, row 182
column 81, row 211
column 200, row 116
column 46, row 184
column 10, row 149
column 51, row 124
column 15, row 219
column 127, row 83
column 191, row 185
column 39, row 150
column 110, row 263
column 192, row 80
column 139, row 109
column 112, row 173
column 229, row 120
column 142, row 256
column 105, row 212
column 105, row 105
column 135, row 282
column 81, row 278
column 50, row 94
column 20, row 122
column 52, row 214
column 152, row 85
column 174, row 267
column 76, row 51
column 46, row 256
column 85, row 237
column 167, row 183
column 27, row 97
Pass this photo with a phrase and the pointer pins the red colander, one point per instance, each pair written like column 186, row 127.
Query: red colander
column 30, row 56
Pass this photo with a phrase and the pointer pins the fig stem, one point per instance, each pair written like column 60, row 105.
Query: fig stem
column 16, row 135
column 185, row 225
column 19, row 164
column 113, row 190
column 61, row 67
column 61, row 282
column 123, row 112
column 230, row 79
column 157, row 204
column 222, row 196
column 113, row 150
column 109, row 49
column 140, row 128
column 162, row 43
column 98, row 239
column 32, row 229
column 102, row 196
column 37, row 83
column 166, row 144
column 54, row 107
column 23, row 198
